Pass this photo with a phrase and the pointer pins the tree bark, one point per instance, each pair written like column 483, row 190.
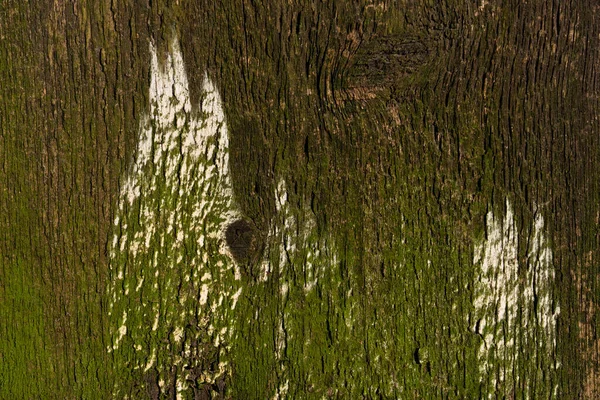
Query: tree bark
column 299, row 199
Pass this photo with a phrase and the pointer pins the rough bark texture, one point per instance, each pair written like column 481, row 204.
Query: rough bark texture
column 415, row 185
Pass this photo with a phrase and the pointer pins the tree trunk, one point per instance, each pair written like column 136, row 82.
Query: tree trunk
column 302, row 200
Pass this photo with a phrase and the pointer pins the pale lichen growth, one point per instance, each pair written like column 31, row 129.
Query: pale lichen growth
column 299, row 258
column 514, row 313
column 174, row 206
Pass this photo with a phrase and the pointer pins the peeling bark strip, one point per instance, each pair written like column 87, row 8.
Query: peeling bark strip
column 173, row 282
column 514, row 310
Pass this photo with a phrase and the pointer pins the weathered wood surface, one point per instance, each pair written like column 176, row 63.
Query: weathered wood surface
column 418, row 185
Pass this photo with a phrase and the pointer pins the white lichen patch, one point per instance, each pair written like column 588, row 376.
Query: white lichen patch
column 282, row 391
column 298, row 259
column 514, row 313
column 235, row 297
column 174, row 206
column 298, row 242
